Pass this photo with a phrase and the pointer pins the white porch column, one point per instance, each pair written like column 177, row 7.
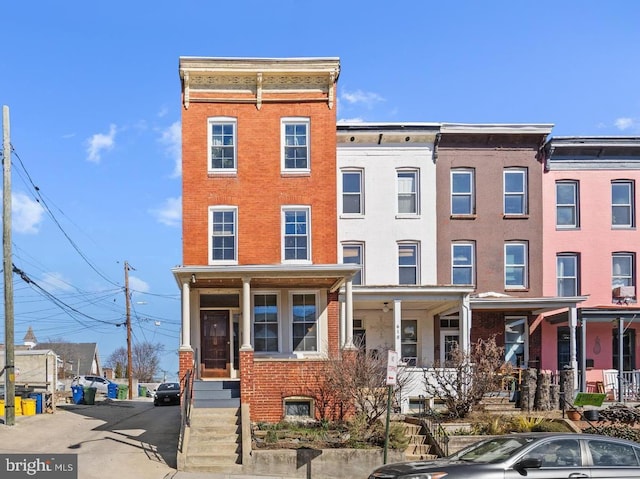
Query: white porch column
column 185, row 342
column 465, row 324
column 348, row 317
column 573, row 322
column 397, row 327
column 246, row 314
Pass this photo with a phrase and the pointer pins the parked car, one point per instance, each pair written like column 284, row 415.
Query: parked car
column 530, row 455
column 101, row 384
column 167, row 393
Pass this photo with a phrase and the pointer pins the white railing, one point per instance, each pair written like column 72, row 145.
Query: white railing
column 630, row 384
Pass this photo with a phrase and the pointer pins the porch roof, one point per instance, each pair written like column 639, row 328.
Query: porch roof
column 539, row 305
column 437, row 299
column 329, row 276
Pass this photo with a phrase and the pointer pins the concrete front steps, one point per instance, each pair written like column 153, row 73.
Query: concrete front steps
column 418, row 448
column 499, row 405
column 214, row 438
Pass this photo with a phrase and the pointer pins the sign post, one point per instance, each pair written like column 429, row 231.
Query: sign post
column 392, row 377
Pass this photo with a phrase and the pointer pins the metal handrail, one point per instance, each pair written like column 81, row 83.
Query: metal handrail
column 436, row 434
column 187, row 382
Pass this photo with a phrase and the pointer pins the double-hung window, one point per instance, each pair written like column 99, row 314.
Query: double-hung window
column 515, row 191
column 567, row 274
column 567, row 212
column 462, row 261
column 462, row 191
column 222, row 144
column 409, row 341
column 304, row 310
column 352, row 197
column 353, row 253
column 296, row 223
column 295, row 144
column 408, row 262
column 515, row 265
column 622, row 196
column 622, row 266
column 408, row 192
column 265, row 322
column 223, row 234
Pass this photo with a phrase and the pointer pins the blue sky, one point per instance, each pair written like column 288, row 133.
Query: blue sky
column 94, row 97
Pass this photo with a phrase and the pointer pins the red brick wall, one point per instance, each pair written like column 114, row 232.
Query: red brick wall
column 259, row 190
column 185, row 360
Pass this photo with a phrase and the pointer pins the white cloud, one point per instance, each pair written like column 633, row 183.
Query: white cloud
column 163, row 112
column 55, row 282
column 136, row 284
column 369, row 99
column 26, row 214
column 170, row 213
column 172, row 140
column 99, row 143
column 625, row 123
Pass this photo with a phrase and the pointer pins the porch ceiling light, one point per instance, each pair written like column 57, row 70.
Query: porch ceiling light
column 193, row 279
column 385, row 307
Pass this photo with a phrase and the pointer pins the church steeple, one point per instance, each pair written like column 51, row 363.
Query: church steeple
column 30, row 338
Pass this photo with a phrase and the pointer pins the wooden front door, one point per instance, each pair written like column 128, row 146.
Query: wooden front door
column 215, row 344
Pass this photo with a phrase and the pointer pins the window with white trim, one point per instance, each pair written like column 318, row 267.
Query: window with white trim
column 352, row 194
column 222, row 144
column 567, row 274
column 622, row 266
column 515, row 265
column 408, row 192
column 223, row 234
column 462, row 191
column 265, row 322
column 409, row 341
column 295, row 144
column 515, row 191
column 304, row 310
column 296, row 234
column 462, row 263
column 353, row 253
column 622, row 195
column 408, row 262
column 514, row 340
column 567, row 211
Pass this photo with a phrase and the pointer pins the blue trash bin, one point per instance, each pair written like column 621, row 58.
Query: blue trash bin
column 38, row 398
column 112, row 391
column 78, row 394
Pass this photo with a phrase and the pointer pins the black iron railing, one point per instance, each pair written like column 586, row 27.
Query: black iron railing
column 437, row 436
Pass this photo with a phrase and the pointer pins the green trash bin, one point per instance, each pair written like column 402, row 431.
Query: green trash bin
column 123, row 391
column 142, row 391
column 90, row 396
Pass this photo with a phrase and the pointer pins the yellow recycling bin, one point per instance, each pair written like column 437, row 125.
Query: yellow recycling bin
column 18, row 405
column 28, row 407
column 1, row 407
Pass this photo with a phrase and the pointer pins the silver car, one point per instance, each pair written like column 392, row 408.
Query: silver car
column 530, row 455
column 89, row 381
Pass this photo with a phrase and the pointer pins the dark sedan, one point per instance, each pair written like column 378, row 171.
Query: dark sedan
column 167, row 393
column 530, row 455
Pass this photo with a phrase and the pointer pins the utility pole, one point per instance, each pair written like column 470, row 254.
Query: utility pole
column 128, row 303
column 7, row 264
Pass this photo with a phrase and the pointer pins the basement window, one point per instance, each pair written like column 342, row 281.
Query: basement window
column 298, row 408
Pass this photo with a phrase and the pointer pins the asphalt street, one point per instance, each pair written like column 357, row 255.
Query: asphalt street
column 113, row 438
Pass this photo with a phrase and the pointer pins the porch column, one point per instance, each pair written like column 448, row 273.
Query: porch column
column 185, row 342
column 246, row 314
column 583, row 357
column 573, row 321
column 465, row 324
column 397, row 327
column 349, row 315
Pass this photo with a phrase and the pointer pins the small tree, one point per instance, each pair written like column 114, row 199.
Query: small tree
column 145, row 362
column 467, row 376
column 357, row 382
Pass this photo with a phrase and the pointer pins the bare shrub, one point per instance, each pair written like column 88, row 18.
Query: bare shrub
column 467, row 376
